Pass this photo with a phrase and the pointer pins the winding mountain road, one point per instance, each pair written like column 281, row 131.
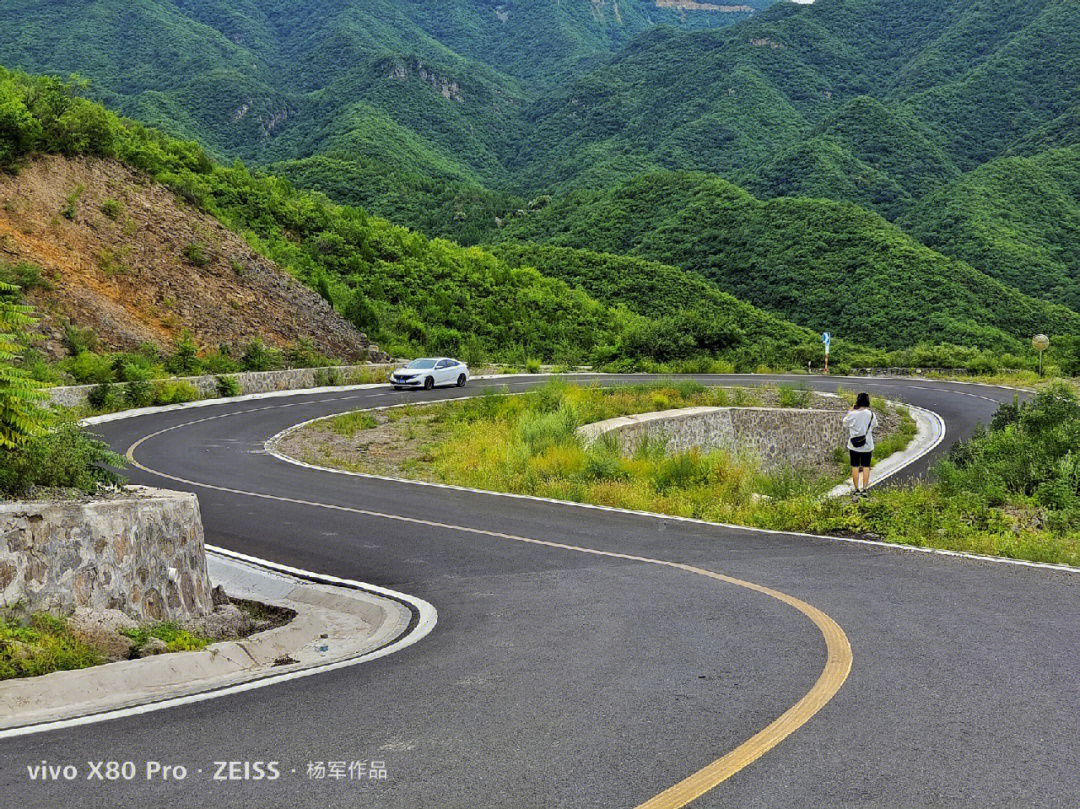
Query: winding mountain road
column 590, row 658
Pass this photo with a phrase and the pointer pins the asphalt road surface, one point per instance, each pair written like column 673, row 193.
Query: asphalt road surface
column 557, row 677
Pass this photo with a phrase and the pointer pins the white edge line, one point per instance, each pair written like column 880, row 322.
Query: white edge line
column 119, row 415
column 896, row 546
column 427, row 618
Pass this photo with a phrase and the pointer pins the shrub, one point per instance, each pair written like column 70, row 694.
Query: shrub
column 185, row 357
column 77, row 340
column 361, row 312
column 175, row 392
column 89, row 368
column 532, row 366
column 138, row 393
column 62, row 458
column 322, row 285
column 227, row 386
column 196, row 253
column 258, row 357
column 72, row 200
column 132, row 367
column 21, row 417
column 304, row 355
column 102, row 396
column 112, row 208
column 328, row 377
column 25, row 276
column 111, row 262
column 219, row 361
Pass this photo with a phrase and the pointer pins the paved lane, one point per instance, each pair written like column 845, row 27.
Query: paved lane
column 558, row 678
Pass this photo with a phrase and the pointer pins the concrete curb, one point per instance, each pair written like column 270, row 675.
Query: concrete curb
column 337, row 623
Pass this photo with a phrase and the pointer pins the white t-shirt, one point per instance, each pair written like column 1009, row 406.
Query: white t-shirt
column 861, row 422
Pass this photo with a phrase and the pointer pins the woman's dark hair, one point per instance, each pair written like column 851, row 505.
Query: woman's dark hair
column 862, row 400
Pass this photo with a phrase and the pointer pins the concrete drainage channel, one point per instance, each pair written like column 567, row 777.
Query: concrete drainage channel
column 338, row 623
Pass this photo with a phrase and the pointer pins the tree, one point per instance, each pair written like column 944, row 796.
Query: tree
column 361, row 313
column 21, row 416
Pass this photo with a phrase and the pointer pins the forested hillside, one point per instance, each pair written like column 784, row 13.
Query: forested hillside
column 1016, row 218
column 410, row 293
column 684, row 309
column 955, row 84
column 827, row 265
column 346, row 97
column 576, row 123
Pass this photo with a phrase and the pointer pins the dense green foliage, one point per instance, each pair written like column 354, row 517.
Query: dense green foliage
column 21, row 417
column 830, row 266
column 1030, row 451
column 954, row 84
column 407, row 96
column 411, row 293
column 1016, row 219
column 35, row 450
column 447, row 117
column 687, row 313
column 64, row 458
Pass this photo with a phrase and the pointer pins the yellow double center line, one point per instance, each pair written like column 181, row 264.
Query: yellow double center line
column 837, row 662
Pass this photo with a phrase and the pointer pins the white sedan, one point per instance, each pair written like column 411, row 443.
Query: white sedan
column 428, row 372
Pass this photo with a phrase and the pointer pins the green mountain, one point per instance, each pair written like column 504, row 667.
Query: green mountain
column 1016, row 218
column 879, row 156
column 458, row 117
column 410, row 293
column 903, row 94
column 684, row 309
column 826, row 265
column 341, row 95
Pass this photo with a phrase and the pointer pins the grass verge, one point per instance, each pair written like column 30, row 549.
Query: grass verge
column 1012, row 491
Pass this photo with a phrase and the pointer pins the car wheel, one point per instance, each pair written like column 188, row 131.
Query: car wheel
column 461, row 381
column 429, row 383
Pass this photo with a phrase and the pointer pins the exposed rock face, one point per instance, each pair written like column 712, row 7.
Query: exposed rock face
column 128, row 277
column 779, row 436
column 694, row 5
column 447, row 86
column 140, row 554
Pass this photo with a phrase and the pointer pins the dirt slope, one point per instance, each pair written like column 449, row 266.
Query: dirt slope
column 122, row 254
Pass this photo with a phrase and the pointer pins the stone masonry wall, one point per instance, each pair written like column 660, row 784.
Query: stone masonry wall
column 249, row 381
column 779, row 436
column 141, row 553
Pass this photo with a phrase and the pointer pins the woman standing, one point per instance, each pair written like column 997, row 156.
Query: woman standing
column 860, row 422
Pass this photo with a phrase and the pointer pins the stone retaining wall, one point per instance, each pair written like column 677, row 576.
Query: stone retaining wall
column 779, row 436
column 141, row 553
column 249, row 381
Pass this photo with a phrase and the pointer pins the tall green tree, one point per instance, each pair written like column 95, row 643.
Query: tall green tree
column 21, row 416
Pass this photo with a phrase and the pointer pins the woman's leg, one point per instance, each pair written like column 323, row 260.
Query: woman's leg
column 865, row 478
column 855, row 477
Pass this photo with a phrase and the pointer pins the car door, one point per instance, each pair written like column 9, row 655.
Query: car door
column 444, row 369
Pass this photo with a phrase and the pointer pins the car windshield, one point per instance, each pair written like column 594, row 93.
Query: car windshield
column 422, row 364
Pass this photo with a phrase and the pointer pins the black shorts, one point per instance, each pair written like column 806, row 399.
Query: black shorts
column 860, row 458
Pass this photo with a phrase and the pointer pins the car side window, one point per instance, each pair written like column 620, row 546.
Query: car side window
column 443, row 364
